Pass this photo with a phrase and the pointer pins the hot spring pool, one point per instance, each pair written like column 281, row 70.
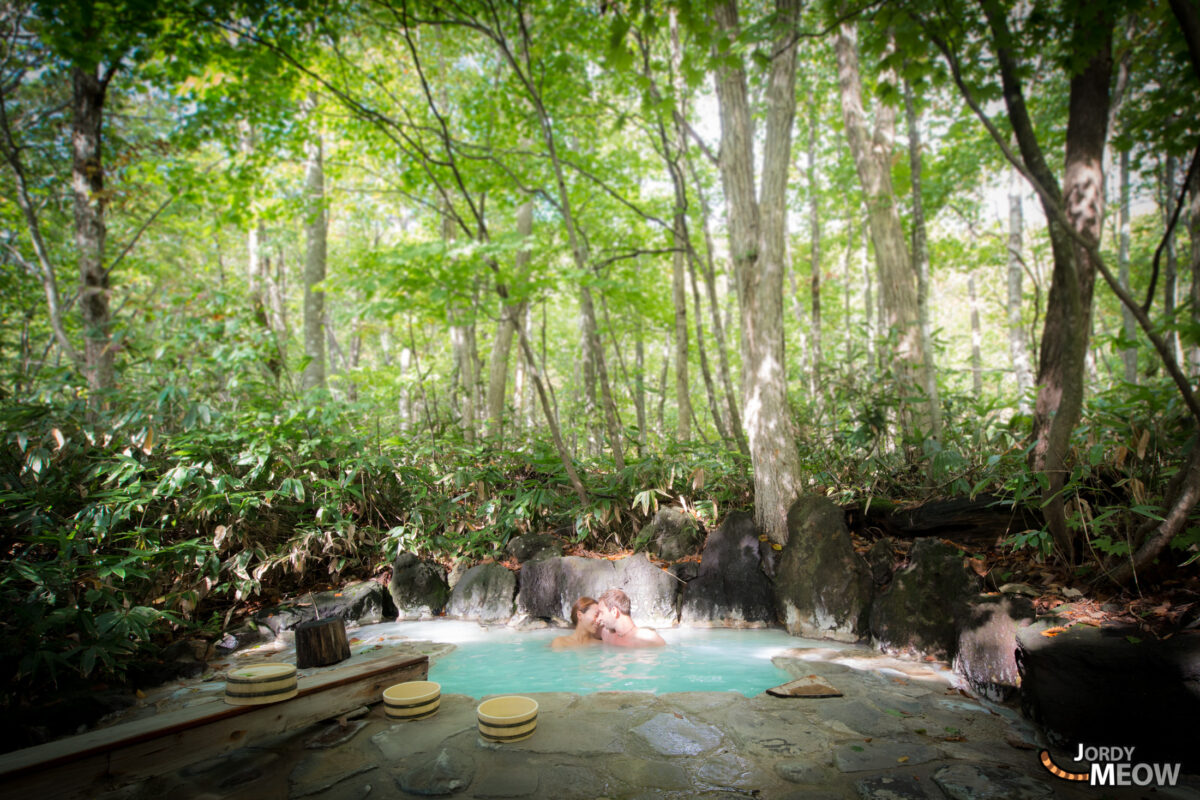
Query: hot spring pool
column 503, row 661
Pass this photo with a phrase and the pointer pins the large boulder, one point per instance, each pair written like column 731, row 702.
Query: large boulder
column 539, row 595
column 484, row 593
column 418, row 588
column 547, row 589
column 653, row 592
column 822, row 587
column 534, row 547
column 364, row 603
column 1096, row 686
column 919, row 611
column 987, row 643
column 672, row 534
column 731, row 589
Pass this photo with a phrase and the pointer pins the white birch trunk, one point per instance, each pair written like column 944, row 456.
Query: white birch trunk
column 315, row 231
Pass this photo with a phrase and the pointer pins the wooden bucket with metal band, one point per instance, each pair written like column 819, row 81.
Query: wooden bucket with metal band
column 511, row 718
column 412, row 700
column 260, row 684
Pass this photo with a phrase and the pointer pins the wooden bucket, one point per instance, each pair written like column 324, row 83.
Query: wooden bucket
column 260, row 684
column 511, row 718
column 412, row 700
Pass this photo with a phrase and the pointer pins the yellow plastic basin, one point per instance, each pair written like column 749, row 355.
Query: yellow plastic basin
column 507, row 719
column 412, row 700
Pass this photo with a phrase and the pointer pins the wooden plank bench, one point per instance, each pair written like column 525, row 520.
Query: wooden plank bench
column 101, row 760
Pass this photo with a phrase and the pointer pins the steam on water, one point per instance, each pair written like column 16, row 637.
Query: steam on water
column 501, row 661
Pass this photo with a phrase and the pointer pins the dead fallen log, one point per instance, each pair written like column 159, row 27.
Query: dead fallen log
column 980, row 522
column 101, row 760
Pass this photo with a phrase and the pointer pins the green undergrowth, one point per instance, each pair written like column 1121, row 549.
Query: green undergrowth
column 121, row 530
column 199, row 501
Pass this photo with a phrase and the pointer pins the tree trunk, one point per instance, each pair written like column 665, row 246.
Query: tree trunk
column 1171, row 274
column 44, row 267
column 814, row 229
column 551, row 418
column 510, row 317
column 1194, row 236
column 683, row 399
column 872, row 152
column 276, row 292
column 577, row 244
column 920, row 255
column 1129, row 324
column 639, row 393
column 1069, row 307
column 522, row 418
column 757, row 242
column 1018, row 340
column 847, row 282
column 315, row 230
column 662, row 390
column 672, row 152
column 88, row 90
column 976, row 337
column 610, row 408
column 870, row 327
column 587, row 366
column 710, row 285
column 710, row 390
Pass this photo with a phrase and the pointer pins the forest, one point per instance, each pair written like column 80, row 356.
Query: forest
column 290, row 288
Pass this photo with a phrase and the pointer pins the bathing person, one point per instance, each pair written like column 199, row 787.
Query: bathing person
column 585, row 615
column 617, row 627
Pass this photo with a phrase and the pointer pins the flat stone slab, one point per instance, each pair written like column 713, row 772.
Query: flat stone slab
column 319, row 773
column 587, row 734
column 445, row 773
column 640, row 772
column 731, row 771
column 500, row 780
column 862, row 718
column 886, row 787
column 575, row 782
column 807, row 772
column 699, row 702
column 881, row 755
column 989, row 782
column 334, row 735
column 401, row 740
column 676, row 735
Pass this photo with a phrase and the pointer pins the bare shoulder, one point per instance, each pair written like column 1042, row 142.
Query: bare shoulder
column 650, row 636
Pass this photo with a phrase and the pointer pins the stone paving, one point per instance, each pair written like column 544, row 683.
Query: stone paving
column 901, row 730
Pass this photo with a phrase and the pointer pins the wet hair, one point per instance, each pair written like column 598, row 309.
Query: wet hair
column 581, row 605
column 615, row 598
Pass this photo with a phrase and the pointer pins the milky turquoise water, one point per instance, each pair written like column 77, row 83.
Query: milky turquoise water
column 502, row 661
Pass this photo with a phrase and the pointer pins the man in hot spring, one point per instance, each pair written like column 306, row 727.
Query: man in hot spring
column 617, row 627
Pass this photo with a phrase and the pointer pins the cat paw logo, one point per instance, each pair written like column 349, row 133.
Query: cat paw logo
column 1113, row 766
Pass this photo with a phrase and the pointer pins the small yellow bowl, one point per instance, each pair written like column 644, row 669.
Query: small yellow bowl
column 412, row 700
column 511, row 718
